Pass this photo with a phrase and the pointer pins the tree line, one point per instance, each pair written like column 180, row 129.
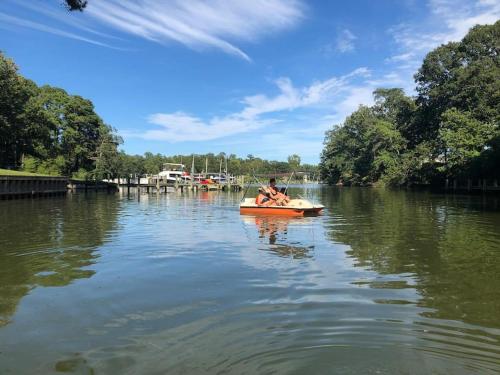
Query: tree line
column 150, row 163
column 45, row 130
column 449, row 129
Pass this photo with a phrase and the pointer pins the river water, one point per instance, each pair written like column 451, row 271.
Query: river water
column 382, row 282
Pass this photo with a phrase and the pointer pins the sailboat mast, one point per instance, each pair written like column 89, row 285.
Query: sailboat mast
column 192, row 173
column 220, row 169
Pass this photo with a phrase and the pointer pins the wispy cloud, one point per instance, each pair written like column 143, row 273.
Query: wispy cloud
column 291, row 98
column 7, row 19
column 199, row 24
column 345, row 41
column 180, row 126
column 61, row 15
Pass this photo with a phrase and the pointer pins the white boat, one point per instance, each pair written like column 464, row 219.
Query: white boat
column 296, row 207
column 173, row 172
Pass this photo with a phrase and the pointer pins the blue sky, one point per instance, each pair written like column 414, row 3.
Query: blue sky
column 246, row 77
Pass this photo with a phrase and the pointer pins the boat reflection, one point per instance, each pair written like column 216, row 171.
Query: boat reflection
column 274, row 230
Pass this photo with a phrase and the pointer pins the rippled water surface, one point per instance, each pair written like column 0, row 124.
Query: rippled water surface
column 382, row 282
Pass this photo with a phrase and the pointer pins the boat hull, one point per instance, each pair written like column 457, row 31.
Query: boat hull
column 279, row 210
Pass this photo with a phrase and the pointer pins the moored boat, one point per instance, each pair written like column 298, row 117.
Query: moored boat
column 296, row 207
column 173, row 172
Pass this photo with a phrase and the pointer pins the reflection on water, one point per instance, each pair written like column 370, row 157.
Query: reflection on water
column 49, row 242
column 449, row 245
column 383, row 282
column 274, row 229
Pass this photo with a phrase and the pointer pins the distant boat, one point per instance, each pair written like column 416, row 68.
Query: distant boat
column 173, row 172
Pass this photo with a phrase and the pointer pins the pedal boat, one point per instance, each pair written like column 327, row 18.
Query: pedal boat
column 296, row 207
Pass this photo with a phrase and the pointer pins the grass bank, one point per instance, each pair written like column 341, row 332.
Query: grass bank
column 8, row 172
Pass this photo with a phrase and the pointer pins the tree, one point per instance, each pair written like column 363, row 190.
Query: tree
column 46, row 130
column 130, row 165
column 452, row 128
column 463, row 76
column 294, row 161
column 152, row 163
column 15, row 91
column 386, row 145
column 82, row 134
column 59, row 124
column 463, row 139
column 45, row 119
column 107, row 163
column 394, row 106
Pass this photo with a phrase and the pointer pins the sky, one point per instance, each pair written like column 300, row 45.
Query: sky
column 260, row 77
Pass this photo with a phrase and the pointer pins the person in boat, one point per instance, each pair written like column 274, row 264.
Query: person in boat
column 264, row 198
column 280, row 198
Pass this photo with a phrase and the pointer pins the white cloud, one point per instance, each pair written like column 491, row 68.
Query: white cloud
column 402, row 57
column 199, row 24
column 357, row 96
column 180, row 126
column 345, row 41
column 7, row 19
column 449, row 20
column 60, row 14
column 292, row 98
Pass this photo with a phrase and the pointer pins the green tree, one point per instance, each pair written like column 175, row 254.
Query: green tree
column 15, row 91
column 130, row 165
column 463, row 76
column 63, row 125
column 395, row 107
column 294, row 161
column 45, row 114
column 107, row 163
column 463, row 139
column 152, row 163
column 452, row 128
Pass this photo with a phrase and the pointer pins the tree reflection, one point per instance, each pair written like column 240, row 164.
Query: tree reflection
column 50, row 242
column 448, row 245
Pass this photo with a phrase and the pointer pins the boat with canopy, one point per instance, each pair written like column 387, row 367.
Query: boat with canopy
column 273, row 201
column 295, row 207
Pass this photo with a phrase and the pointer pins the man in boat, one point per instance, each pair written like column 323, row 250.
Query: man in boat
column 275, row 194
column 264, row 197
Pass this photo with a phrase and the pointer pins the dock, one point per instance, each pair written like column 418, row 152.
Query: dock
column 162, row 187
column 472, row 185
column 13, row 187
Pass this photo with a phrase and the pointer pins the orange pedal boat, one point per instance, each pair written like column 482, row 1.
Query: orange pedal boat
column 296, row 207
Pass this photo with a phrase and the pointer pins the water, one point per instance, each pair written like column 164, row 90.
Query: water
column 382, row 282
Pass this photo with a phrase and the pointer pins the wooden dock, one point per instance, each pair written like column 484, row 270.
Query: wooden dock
column 12, row 187
column 31, row 186
column 84, row 185
column 163, row 187
column 472, row 185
